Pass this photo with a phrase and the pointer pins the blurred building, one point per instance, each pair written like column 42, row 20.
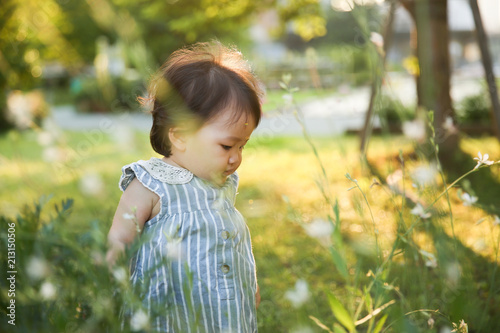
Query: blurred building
column 464, row 50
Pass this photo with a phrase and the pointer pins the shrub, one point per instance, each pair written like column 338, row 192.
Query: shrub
column 393, row 112
column 118, row 94
column 62, row 283
column 475, row 109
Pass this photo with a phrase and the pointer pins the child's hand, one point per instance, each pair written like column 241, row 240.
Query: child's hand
column 257, row 297
column 113, row 253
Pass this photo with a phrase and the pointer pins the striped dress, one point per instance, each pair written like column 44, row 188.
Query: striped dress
column 194, row 269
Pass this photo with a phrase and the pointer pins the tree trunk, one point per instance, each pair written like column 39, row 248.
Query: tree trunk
column 482, row 40
column 433, row 84
column 377, row 79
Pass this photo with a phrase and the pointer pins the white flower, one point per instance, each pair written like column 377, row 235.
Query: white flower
column 218, row 204
column 453, row 273
column 377, row 39
column 288, row 99
column 418, row 210
column 120, row 274
column 19, row 109
column 482, row 159
column 37, row 268
column 320, row 229
column 91, row 184
column 424, row 175
column 414, row 129
column 173, row 249
column 394, row 178
column 50, row 132
column 430, row 322
column 97, row 257
column 461, row 327
column 47, row 291
column 468, row 200
column 52, row 154
column 430, row 259
column 342, row 5
column 448, row 124
column 139, row 321
column 128, row 216
column 299, row 295
column 45, row 138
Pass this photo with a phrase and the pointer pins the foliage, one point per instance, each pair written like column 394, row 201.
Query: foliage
column 283, row 251
column 393, row 112
column 342, row 29
column 377, row 275
column 61, row 279
column 123, row 95
column 474, row 109
column 305, row 17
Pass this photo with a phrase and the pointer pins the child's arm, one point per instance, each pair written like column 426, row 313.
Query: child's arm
column 137, row 201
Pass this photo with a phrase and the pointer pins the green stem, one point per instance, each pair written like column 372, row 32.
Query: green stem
column 375, row 231
column 449, row 187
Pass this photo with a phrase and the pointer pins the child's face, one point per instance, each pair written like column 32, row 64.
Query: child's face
column 215, row 150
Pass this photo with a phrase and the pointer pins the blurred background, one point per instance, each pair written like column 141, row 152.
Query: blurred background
column 60, row 57
column 345, row 185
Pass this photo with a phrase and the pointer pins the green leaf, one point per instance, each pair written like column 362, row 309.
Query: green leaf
column 481, row 220
column 338, row 329
column 340, row 312
column 336, row 210
column 283, row 85
column 339, row 263
column 380, row 324
column 287, row 78
column 368, row 301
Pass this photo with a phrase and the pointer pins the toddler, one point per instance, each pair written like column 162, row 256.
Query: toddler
column 194, row 268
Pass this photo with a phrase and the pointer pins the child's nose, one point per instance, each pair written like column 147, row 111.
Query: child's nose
column 235, row 158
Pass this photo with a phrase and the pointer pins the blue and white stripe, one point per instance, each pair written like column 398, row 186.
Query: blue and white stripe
column 214, row 248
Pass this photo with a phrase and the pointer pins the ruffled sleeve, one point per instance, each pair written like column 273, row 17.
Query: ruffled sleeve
column 135, row 170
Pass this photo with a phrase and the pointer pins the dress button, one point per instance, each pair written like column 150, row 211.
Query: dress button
column 225, row 269
column 225, row 234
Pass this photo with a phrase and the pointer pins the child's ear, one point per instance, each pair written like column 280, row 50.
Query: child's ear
column 177, row 137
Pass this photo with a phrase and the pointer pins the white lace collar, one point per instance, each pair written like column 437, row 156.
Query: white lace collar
column 165, row 172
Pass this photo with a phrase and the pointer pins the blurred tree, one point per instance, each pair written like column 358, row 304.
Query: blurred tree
column 34, row 32
column 169, row 25
column 430, row 41
column 303, row 18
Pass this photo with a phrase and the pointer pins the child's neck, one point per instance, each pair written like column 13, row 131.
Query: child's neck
column 172, row 161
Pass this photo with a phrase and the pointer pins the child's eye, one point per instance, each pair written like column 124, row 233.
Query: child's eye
column 242, row 147
column 226, row 147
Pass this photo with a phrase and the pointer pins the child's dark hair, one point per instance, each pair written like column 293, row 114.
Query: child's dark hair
column 197, row 82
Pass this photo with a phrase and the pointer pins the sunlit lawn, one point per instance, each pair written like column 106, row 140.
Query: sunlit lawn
column 272, row 170
column 274, row 98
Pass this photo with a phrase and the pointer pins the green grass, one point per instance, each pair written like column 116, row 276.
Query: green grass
column 274, row 98
column 272, row 169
